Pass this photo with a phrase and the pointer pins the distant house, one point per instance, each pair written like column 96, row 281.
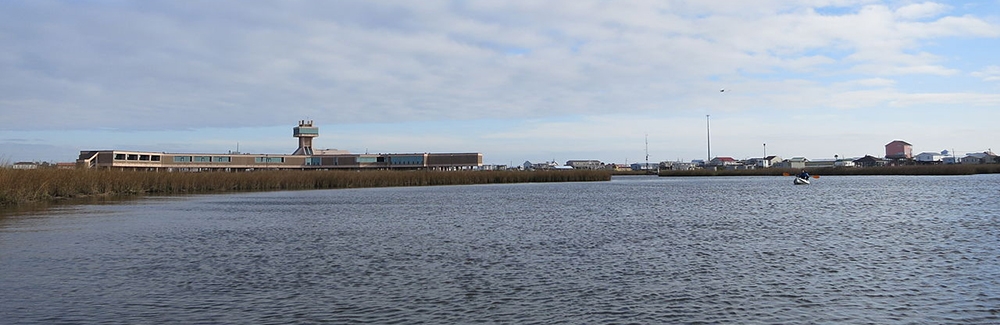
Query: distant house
column 794, row 162
column 677, row 165
column 618, row 167
column 898, row 149
column 870, row 161
column 585, row 164
column 765, row 162
column 844, row 163
column 825, row 163
column 929, row 158
column 24, row 165
column 545, row 165
column 644, row 166
column 771, row 160
column 723, row 161
column 987, row 157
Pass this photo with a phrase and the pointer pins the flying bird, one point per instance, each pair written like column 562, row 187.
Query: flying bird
column 722, row 90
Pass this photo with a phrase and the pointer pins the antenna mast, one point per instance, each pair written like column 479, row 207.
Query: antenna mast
column 647, row 151
column 708, row 131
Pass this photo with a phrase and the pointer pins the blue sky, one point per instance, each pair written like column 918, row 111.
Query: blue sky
column 514, row 80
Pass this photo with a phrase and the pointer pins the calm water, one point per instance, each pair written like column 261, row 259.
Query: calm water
column 752, row 250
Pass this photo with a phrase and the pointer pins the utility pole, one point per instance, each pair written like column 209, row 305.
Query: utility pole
column 647, row 152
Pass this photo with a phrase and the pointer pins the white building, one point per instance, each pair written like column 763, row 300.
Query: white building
column 979, row 158
column 584, row 164
column 844, row 163
column 24, row 165
column 929, row 157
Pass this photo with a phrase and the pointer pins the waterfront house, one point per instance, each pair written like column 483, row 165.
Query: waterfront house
column 870, row 161
column 930, row 157
column 723, row 161
column 618, row 167
column 677, row 165
column 541, row 166
column 844, row 163
column 585, row 164
column 757, row 163
column 24, row 165
column 898, row 149
column 794, row 162
column 771, row 160
column 987, row 157
column 825, row 163
column 765, row 162
column 644, row 167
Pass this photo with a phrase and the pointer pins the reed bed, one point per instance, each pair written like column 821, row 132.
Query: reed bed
column 24, row 186
column 914, row 170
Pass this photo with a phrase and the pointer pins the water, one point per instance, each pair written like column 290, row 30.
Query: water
column 716, row 250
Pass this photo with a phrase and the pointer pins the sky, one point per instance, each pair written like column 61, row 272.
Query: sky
column 514, row 80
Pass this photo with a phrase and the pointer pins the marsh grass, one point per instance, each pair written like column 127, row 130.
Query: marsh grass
column 916, row 170
column 24, row 186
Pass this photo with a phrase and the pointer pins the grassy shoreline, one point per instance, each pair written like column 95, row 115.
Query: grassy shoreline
column 917, row 170
column 28, row 186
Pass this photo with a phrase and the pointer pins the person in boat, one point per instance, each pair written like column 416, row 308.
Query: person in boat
column 803, row 175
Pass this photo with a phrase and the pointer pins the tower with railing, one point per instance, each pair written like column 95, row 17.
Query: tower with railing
column 305, row 132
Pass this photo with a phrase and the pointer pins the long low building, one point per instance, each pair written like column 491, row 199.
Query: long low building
column 304, row 158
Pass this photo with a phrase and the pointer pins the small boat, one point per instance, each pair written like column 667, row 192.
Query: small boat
column 801, row 181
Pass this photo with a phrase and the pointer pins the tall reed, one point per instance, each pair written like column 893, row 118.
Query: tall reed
column 23, row 186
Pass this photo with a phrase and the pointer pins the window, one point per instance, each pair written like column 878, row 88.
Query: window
column 132, row 156
column 202, row 158
column 119, row 156
column 222, row 159
column 314, row 161
column 144, row 157
column 407, row 160
column 154, row 157
column 366, row 159
column 182, row 158
column 269, row 160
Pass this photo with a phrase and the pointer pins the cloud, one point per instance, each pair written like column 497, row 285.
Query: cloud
column 162, row 65
column 921, row 10
column 990, row 73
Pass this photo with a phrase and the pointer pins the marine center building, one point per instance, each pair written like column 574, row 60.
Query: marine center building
column 304, row 158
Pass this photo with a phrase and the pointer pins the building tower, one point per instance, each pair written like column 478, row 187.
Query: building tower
column 305, row 132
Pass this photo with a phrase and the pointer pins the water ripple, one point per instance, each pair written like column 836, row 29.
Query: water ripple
column 636, row 250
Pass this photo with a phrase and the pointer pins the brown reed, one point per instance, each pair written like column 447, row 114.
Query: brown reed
column 25, row 186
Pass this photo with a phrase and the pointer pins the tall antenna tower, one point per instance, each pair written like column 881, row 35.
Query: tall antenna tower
column 647, row 151
column 708, row 132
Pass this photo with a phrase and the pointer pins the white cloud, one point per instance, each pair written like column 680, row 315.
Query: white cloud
column 164, row 65
column 990, row 73
column 921, row 10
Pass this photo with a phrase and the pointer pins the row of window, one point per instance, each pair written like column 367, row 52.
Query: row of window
column 271, row 160
column 203, row 159
column 407, row 160
column 206, row 159
column 395, row 160
column 311, row 161
column 225, row 159
column 136, row 157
